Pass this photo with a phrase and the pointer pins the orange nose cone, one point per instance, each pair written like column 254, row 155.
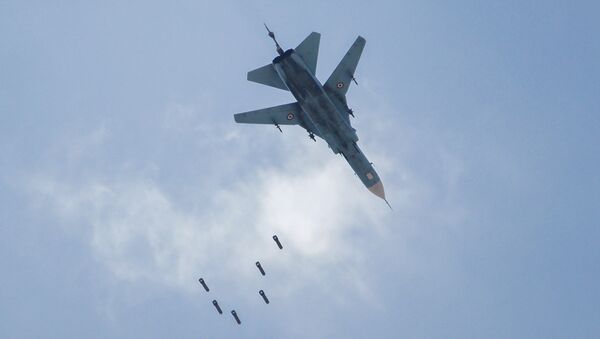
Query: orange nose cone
column 377, row 189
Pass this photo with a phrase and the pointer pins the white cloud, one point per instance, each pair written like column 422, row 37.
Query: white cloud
column 141, row 234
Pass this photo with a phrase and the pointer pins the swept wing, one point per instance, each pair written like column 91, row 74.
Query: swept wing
column 288, row 114
column 340, row 79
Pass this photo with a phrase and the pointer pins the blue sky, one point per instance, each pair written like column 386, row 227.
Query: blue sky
column 124, row 178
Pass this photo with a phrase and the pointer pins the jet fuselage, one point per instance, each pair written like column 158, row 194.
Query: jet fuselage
column 311, row 96
column 324, row 117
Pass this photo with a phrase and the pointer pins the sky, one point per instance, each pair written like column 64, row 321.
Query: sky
column 123, row 177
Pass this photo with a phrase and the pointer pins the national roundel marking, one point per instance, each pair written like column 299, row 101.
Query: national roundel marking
column 290, row 116
column 340, row 85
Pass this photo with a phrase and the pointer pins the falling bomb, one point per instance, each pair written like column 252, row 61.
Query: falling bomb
column 235, row 316
column 203, row 284
column 277, row 242
column 217, row 307
column 264, row 296
column 262, row 271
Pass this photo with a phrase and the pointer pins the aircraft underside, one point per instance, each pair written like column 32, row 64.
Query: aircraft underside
column 320, row 109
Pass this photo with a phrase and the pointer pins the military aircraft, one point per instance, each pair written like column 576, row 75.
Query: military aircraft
column 320, row 109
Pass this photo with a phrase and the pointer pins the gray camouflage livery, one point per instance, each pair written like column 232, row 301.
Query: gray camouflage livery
column 320, row 109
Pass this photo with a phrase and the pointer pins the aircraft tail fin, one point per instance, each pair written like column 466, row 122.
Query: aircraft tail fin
column 339, row 80
column 267, row 75
column 309, row 50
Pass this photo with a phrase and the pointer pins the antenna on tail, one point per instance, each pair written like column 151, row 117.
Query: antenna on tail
column 272, row 36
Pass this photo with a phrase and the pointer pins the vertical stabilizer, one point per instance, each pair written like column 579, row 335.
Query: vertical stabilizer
column 309, row 51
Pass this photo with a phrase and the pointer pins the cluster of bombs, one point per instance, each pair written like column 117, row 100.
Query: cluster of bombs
column 260, row 292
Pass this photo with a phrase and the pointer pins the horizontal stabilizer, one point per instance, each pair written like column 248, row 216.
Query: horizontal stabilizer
column 267, row 75
column 309, row 51
column 339, row 81
column 288, row 114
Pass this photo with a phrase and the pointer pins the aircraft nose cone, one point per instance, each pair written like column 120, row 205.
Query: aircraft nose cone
column 377, row 189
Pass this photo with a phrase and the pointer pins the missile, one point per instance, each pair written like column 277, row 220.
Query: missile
column 277, row 242
column 264, row 296
column 217, row 307
column 203, row 284
column 260, row 268
column 235, row 316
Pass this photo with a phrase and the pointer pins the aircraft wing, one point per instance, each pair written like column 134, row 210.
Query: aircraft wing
column 341, row 77
column 267, row 75
column 309, row 51
column 288, row 114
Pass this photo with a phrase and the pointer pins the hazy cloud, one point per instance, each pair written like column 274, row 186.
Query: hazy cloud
column 141, row 234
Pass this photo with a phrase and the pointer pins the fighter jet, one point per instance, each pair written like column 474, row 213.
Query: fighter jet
column 320, row 109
